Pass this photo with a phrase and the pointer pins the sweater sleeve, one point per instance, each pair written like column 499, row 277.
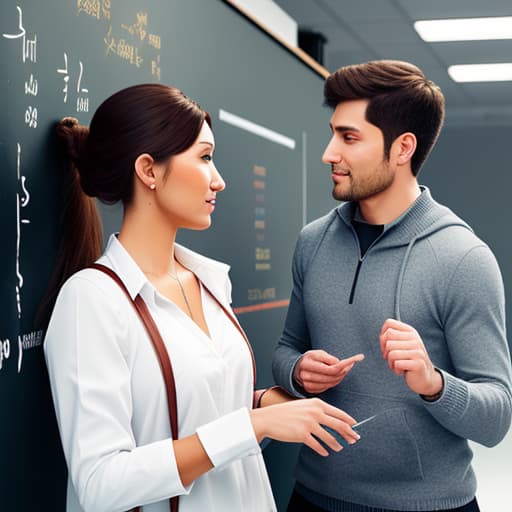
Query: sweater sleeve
column 476, row 402
column 294, row 340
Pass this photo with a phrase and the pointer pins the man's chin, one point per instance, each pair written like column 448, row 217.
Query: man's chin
column 339, row 195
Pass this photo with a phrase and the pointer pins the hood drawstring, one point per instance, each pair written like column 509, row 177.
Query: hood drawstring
column 399, row 284
column 401, row 277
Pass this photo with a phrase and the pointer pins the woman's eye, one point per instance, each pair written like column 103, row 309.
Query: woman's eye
column 208, row 158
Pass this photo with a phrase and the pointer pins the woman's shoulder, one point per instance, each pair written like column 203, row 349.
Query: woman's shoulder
column 90, row 289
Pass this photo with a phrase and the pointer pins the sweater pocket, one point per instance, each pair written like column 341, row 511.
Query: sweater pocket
column 386, row 452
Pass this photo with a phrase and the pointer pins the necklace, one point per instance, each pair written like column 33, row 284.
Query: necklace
column 184, row 295
column 185, row 298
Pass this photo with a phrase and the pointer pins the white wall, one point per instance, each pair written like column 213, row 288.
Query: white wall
column 493, row 467
column 274, row 18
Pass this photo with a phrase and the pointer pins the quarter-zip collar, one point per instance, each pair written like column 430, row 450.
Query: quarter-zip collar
column 422, row 217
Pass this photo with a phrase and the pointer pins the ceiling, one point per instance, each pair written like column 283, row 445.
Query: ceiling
column 362, row 30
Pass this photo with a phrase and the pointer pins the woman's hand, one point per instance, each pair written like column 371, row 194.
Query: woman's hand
column 300, row 421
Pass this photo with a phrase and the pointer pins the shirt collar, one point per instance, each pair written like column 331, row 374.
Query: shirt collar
column 214, row 274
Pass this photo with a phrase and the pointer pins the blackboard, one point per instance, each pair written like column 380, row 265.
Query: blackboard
column 63, row 58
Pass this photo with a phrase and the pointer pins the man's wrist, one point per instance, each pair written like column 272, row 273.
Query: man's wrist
column 295, row 373
column 432, row 397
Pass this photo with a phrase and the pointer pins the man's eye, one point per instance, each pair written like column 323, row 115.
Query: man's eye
column 349, row 138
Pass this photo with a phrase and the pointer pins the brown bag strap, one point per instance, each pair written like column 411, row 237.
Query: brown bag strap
column 163, row 357
column 235, row 322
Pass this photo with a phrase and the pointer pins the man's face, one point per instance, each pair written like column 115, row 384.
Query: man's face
column 359, row 169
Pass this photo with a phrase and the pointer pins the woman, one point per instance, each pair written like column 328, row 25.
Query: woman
column 151, row 147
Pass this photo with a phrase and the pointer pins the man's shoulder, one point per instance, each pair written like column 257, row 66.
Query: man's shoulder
column 458, row 249
column 455, row 239
column 317, row 227
column 449, row 234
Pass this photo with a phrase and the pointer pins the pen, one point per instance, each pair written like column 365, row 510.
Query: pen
column 338, row 437
column 363, row 421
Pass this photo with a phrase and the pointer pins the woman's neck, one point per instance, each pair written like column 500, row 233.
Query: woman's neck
column 149, row 241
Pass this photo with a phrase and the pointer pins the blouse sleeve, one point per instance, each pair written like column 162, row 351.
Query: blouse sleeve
column 91, row 386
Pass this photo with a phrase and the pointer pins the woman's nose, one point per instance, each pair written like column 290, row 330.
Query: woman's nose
column 217, row 183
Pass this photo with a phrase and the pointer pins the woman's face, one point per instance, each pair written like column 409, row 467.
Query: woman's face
column 187, row 193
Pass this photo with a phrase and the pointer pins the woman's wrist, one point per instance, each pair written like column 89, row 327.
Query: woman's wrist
column 258, row 396
column 258, row 423
column 271, row 396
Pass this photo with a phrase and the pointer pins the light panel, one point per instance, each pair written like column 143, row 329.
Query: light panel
column 465, row 29
column 501, row 72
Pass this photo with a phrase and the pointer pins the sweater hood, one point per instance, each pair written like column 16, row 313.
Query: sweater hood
column 422, row 219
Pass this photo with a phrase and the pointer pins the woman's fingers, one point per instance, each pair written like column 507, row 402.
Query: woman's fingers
column 310, row 421
column 338, row 423
column 336, row 413
column 315, row 445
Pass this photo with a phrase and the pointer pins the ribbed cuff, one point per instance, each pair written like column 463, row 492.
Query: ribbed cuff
column 454, row 397
column 229, row 438
column 293, row 386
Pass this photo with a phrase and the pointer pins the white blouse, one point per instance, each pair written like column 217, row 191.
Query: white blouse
column 110, row 398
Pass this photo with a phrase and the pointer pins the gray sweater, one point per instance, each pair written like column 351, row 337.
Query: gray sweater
column 427, row 269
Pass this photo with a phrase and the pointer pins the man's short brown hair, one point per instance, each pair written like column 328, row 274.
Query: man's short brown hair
column 401, row 99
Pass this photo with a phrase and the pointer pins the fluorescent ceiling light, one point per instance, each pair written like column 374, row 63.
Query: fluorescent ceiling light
column 465, row 29
column 481, row 72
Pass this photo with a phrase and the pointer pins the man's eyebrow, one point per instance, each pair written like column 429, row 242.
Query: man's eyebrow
column 344, row 128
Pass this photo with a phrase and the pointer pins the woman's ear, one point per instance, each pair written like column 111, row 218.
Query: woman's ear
column 144, row 170
column 405, row 146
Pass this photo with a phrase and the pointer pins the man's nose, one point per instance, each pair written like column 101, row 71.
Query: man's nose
column 331, row 153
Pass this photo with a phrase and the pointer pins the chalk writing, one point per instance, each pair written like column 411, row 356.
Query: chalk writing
column 26, row 342
column 28, row 46
column 122, row 49
column 82, row 101
column 262, row 255
column 139, row 27
column 64, row 71
column 94, row 8
column 5, row 350
column 31, row 116
column 135, row 44
column 155, row 67
column 28, row 53
column 31, row 86
column 154, row 41
column 22, row 200
column 259, row 294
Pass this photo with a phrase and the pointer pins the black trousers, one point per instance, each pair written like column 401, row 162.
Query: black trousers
column 300, row 504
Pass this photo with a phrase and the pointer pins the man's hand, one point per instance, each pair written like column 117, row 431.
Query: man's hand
column 317, row 371
column 403, row 349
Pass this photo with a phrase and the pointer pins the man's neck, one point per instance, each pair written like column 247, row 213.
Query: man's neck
column 387, row 206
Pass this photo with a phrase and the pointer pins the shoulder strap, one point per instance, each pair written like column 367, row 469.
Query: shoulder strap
column 235, row 322
column 163, row 357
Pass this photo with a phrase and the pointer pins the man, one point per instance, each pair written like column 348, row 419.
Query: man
column 395, row 278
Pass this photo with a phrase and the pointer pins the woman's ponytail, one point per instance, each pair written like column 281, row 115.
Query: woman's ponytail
column 81, row 237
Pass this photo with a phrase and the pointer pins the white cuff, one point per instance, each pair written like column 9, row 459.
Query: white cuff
column 229, row 438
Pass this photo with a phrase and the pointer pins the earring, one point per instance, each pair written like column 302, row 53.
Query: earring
column 152, row 186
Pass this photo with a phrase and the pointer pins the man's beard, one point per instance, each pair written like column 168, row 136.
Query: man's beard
column 364, row 188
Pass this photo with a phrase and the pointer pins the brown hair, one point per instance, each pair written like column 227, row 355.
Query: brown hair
column 401, row 99
column 148, row 118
